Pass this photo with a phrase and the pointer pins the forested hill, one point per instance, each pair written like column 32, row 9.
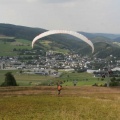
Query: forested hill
column 29, row 32
column 106, row 35
column 19, row 31
column 105, row 44
column 117, row 39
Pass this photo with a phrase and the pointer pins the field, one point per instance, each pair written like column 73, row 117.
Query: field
column 38, row 102
column 7, row 46
column 74, row 103
column 67, row 79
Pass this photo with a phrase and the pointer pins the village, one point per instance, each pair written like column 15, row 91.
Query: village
column 53, row 61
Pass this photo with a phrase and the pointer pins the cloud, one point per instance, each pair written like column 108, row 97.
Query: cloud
column 31, row 1
column 57, row 1
column 78, row 15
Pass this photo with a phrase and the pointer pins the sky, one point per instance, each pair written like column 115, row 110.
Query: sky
column 94, row 16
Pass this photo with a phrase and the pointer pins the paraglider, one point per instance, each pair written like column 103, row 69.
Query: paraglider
column 51, row 32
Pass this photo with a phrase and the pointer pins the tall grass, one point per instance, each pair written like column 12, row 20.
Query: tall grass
column 46, row 107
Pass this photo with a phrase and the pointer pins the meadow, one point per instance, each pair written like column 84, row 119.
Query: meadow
column 66, row 78
column 81, row 102
column 74, row 103
column 6, row 48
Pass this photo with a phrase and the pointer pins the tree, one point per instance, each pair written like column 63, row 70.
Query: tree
column 9, row 80
column 115, row 82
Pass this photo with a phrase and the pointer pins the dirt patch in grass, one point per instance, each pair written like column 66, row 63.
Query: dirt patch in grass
column 85, row 91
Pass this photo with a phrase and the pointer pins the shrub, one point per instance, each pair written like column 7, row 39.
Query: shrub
column 114, row 82
column 9, row 80
column 95, row 84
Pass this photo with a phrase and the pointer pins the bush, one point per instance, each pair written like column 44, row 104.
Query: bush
column 95, row 84
column 9, row 80
column 114, row 82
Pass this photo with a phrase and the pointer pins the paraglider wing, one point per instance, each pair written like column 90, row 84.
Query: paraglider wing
column 51, row 32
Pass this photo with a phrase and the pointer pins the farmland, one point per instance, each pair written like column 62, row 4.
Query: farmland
column 10, row 46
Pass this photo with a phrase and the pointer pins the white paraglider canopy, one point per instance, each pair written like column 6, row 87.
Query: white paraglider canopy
column 51, row 32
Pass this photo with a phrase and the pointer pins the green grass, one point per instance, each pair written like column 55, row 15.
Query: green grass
column 82, row 79
column 46, row 43
column 24, row 41
column 6, row 49
column 6, row 37
column 66, row 78
column 25, row 79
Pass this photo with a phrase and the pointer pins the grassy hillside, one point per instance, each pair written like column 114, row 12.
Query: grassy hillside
column 103, row 50
column 43, row 103
column 20, row 31
column 7, row 46
column 21, row 37
column 12, row 48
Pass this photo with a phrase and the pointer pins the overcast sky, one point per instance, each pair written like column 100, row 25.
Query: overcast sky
column 99, row 16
